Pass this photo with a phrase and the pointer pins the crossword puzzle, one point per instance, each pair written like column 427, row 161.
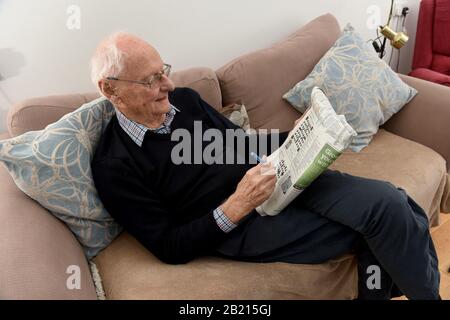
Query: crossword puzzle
column 286, row 184
column 281, row 169
column 301, row 135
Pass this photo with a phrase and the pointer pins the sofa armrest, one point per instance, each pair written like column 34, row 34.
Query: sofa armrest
column 426, row 119
column 36, row 250
column 36, row 113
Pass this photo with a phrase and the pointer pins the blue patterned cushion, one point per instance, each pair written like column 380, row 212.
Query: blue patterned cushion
column 359, row 85
column 52, row 166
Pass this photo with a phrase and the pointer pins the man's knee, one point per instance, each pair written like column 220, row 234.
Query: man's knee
column 378, row 193
column 386, row 205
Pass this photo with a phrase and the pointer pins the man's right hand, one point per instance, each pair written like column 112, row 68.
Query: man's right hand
column 255, row 187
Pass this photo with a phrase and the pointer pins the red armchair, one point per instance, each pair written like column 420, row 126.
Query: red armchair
column 432, row 49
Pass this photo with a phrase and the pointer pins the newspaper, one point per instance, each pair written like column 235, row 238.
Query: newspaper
column 317, row 140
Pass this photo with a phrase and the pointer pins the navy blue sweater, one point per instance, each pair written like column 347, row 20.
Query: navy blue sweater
column 168, row 208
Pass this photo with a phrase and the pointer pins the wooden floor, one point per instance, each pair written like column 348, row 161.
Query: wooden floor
column 441, row 238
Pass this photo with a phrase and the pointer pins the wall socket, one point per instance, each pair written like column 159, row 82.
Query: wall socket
column 398, row 7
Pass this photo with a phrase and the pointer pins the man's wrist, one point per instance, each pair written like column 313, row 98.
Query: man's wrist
column 223, row 221
column 233, row 209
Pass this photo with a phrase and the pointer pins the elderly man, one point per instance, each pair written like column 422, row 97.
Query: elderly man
column 182, row 211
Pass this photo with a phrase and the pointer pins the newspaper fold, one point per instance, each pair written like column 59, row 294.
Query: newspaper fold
column 317, row 140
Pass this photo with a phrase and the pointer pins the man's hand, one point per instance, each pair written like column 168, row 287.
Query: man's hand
column 255, row 187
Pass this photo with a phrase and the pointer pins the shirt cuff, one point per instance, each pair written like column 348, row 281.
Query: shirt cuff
column 223, row 221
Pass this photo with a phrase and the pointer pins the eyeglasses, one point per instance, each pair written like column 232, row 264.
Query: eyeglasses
column 153, row 78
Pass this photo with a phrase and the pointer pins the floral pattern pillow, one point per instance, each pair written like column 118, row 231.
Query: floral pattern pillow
column 359, row 85
column 52, row 166
column 237, row 113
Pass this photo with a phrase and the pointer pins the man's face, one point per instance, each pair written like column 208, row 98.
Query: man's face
column 139, row 102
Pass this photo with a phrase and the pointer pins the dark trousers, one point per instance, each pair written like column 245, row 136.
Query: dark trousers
column 340, row 213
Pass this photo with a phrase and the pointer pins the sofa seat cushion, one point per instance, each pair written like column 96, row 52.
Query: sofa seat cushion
column 129, row 271
column 416, row 168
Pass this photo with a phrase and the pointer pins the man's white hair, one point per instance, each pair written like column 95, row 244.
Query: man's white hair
column 108, row 60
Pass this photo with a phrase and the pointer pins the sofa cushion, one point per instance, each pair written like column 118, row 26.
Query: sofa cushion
column 203, row 80
column 129, row 271
column 52, row 166
column 359, row 85
column 417, row 169
column 260, row 79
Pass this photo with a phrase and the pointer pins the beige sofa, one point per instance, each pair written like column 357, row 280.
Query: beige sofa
column 412, row 151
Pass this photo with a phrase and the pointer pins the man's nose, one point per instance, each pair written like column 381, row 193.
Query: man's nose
column 167, row 84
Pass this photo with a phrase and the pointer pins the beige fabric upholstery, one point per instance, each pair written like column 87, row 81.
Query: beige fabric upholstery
column 407, row 164
column 260, row 79
column 36, row 249
column 129, row 271
column 36, row 113
column 426, row 118
column 204, row 81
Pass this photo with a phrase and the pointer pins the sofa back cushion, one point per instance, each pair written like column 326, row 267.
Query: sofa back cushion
column 36, row 113
column 204, row 81
column 259, row 79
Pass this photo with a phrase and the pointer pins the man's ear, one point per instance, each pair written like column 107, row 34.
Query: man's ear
column 107, row 89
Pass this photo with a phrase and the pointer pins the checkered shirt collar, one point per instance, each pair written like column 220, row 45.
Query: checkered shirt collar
column 137, row 131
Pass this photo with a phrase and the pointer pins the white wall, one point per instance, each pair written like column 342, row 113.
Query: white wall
column 39, row 55
column 406, row 54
